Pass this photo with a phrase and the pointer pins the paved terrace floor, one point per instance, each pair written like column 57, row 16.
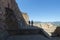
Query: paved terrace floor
column 32, row 37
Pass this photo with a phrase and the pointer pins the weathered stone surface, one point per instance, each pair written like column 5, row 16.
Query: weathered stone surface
column 26, row 17
column 11, row 18
column 3, row 35
column 10, row 15
column 48, row 27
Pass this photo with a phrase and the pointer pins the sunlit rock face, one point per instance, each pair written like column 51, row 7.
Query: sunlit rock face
column 10, row 15
column 48, row 27
column 26, row 17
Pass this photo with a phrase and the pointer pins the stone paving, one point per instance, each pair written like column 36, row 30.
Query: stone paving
column 32, row 37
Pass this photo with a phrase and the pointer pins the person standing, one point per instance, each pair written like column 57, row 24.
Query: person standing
column 32, row 23
column 29, row 23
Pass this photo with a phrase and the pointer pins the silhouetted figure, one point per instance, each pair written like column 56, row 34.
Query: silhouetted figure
column 29, row 23
column 32, row 23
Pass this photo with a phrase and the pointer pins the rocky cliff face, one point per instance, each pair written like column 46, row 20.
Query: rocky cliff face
column 48, row 27
column 10, row 15
column 26, row 17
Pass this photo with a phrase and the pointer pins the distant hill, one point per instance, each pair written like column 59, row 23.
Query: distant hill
column 57, row 23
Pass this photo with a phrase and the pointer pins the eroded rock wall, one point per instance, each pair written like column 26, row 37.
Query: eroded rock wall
column 10, row 15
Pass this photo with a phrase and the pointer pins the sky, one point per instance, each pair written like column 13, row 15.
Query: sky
column 41, row 10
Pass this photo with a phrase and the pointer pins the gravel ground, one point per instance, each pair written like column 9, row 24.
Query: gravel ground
column 31, row 37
